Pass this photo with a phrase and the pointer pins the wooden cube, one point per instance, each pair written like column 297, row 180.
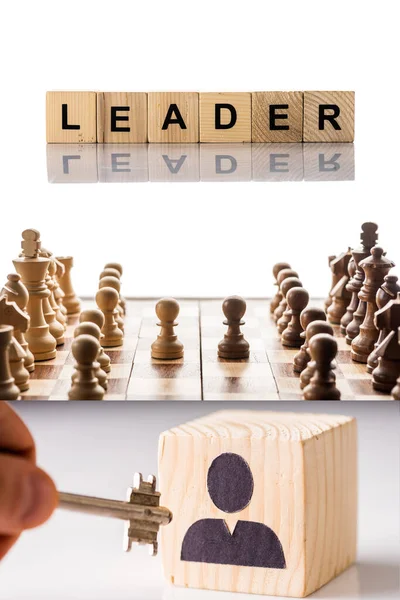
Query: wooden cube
column 277, row 117
column 173, row 117
column 328, row 117
column 122, row 117
column 225, row 117
column 71, row 117
column 263, row 502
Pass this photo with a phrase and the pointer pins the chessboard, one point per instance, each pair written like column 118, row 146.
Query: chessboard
column 200, row 375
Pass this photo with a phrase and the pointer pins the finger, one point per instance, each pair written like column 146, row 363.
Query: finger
column 27, row 495
column 14, row 435
column 6, row 542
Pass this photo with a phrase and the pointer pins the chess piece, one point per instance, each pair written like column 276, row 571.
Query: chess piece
column 110, row 272
column 322, row 386
column 118, row 267
column 167, row 346
column 352, row 305
column 8, row 389
column 334, row 281
column 53, row 284
column 376, row 267
column 15, row 291
column 11, row 314
column 115, row 283
column 32, row 268
column 312, row 329
column 278, row 296
column 282, row 275
column 368, row 240
column 396, row 389
column 388, row 291
column 107, row 301
column 297, row 299
column 339, row 293
column 385, row 375
column 57, row 329
column 95, row 315
column 58, row 293
column 70, row 300
column 307, row 316
column 89, row 328
column 234, row 345
column 85, row 385
column 286, row 285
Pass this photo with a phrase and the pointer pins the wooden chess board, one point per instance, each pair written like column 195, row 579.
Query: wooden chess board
column 267, row 375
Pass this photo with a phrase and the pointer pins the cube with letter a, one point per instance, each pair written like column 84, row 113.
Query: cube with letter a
column 263, row 502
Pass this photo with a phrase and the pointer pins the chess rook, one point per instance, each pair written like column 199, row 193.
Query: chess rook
column 95, row 315
column 278, row 296
column 284, row 320
column 234, row 345
column 307, row 316
column 387, row 292
column 313, row 328
column 167, row 346
column 88, row 328
column 8, row 388
column 297, row 299
column 107, row 301
column 323, row 349
column 85, row 385
column 70, row 300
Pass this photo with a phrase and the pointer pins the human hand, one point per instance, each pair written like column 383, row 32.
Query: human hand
column 27, row 494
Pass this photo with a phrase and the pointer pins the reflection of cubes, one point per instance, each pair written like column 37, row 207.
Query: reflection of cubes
column 174, row 162
column 328, row 162
column 71, row 163
column 263, row 502
column 122, row 163
column 225, row 162
column 277, row 162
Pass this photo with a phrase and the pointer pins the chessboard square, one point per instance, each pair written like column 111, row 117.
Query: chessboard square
column 60, row 359
column 45, row 372
column 288, row 387
column 71, row 117
column 328, row 116
column 39, row 388
column 236, row 369
column 166, row 370
column 225, row 117
column 283, row 357
column 120, row 357
column 257, row 387
column 66, row 372
column 116, row 386
column 121, row 117
column 277, row 117
column 354, row 370
column 173, row 117
column 237, row 397
column 120, row 371
column 284, row 371
column 164, row 389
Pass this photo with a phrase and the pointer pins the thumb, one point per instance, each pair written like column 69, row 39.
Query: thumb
column 27, row 495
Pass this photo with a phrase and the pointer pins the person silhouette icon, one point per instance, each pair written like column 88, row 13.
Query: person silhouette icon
column 230, row 486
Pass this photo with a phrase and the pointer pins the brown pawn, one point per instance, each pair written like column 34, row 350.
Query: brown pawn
column 323, row 350
column 307, row 316
column 340, row 295
column 118, row 266
column 396, row 389
column 334, row 281
column 278, row 296
column 70, row 300
column 8, row 389
column 368, row 240
column 376, row 267
column 115, row 283
column 85, row 385
column 107, row 301
column 297, row 299
column 234, row 345
column 385, row 375
column 284, row 319
column 282, row 275
column 94, row 315
column 167, row 346
column 89, row 328
column 312, row 329
column 352, row 305
column 388, row 291
column 15, row 291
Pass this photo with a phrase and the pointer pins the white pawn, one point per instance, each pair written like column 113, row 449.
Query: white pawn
column 167, row 346
column 107, row 301
column 94, row 330
column 85, row 385
column 115, row 283
column 94, row 315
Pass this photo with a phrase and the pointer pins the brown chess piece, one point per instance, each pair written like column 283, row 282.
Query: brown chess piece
column 107, row 301
column 11, row 314
column 277, row 268
column 334, row 281
column 89, row 328
column 375, row 267
column 118, row 267
column 234, row 345
column 94, row 315
column 388, row 291
column 33, row 268
column 8, row 389
column 352, row 305
column 70, row 300
column 396, row 389
column 314, row 328
column 368, row 240
column 307, row 316
column 15, row 291
column 297, row 299
column 85, row 385
column 282, row 275
column 115, row 283
column 322, row 386
column 167, row 346
column 385, row 375
column 340, row 295
column 284, row 319
column 57, row 329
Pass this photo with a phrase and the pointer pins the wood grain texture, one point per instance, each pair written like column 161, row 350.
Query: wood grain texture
column 137, row 117
column 304, row 468
column 241, row 130
column 81, row 109
column 158, row 106
column 261, row 124
column 312, row 101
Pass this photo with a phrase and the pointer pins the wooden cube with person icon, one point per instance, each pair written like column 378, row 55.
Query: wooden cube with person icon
column 263, row 502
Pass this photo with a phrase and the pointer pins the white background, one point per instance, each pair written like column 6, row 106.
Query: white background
column 204, row 239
